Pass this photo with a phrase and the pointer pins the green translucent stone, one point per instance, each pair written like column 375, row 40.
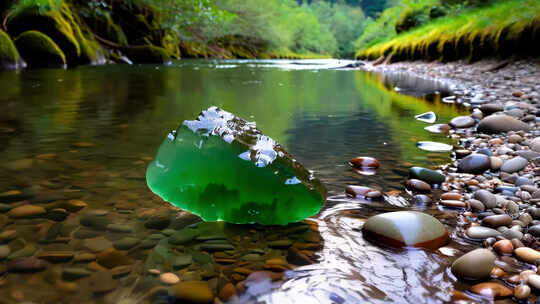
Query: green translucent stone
column 222, row 167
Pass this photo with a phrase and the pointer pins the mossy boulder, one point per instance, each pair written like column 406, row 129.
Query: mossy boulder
column 38, row 50
column 52, row 24
column 105, row 28
column 148, row 54
column 9, row 56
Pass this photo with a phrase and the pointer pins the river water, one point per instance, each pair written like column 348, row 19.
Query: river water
column 89, row 132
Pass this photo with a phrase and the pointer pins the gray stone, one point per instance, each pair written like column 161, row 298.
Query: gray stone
column 481, row 233
column 462, row 122
column 474, row 163
column 427, row 175
column 74, row 273
column 514, row 165
column 476, row 264
column 487, row 198
column 501, row 123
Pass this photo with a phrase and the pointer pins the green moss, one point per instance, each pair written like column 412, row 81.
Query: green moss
column 9, row 56
column 149, row 54
column 38, row 50
column 52, row 24
column 478, row 33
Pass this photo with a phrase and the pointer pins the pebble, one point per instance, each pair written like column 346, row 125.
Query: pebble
column 487, row 198
column 4, row 251
column 534, row 281
column 74, row 273
column 56, row 256
column 475, row 163
column 492, row 290
column 169, row 278
column 503, row 247
column 462, row 122
column 501, row 123
column 227, row 292
column 476, row 264
column 495, row 163
column 364, row 162
column 30, row 264
column 418, row 185
column 193, row 291
column 428, row 117
column 427, row 175
column 111, row 258
column 498, row 220
column 102, row 282
column 522, row 292
column 514, row 165
column 183, row 236
column 408, row 228
column 527, row 254
column 126, row 243
column 357, row 191
column 476, row 205
column 453, row 204
column 26, row 211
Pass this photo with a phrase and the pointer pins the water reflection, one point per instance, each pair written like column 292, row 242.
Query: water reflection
column 88, row 133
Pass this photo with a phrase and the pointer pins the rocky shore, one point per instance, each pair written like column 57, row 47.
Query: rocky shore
column 494, row 180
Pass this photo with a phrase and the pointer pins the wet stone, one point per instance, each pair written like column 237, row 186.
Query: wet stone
column 193, row 292
column 406, row 228
column 111, row 258
column 365, row 162
column 181, row 261
column 492, row 290
column 102, row 282
column 514, row 165
column 476, row 264
column 498, row 220
column 202, row 167
column 158, row 222
column 26, row 265
column 428, row 117
column 26, row 211
column 126, row 243
column 526, row 254
column 462, row 122
column 426, row 175
column 439, row 128
column 74, row 273
column 183, row 236
column 487, row 198
column 500, row 124
column 475, row 163
column 56, row 256
column 97, row 244
column 432, row 146
column 480, row 233
column 418, row 185
column 119, row 228
column 94, row 221
column 4, row 251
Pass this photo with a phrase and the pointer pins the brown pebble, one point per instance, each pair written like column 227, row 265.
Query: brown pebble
column 522, row 292
column 169, row 278
column 365, row 162
column 227, row 292
column 497, row 272
column 504, row 247
column 26, row 211
column 453, row 196
column 418, row 185
column 492, row 290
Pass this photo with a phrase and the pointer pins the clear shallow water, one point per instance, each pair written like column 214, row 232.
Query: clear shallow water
column 324, row 117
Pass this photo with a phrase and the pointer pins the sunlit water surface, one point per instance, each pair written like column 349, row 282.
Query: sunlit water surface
column 324, row 116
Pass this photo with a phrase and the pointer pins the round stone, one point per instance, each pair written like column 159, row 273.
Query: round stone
column 514, row 165
column 357, row 191
column 492, row 290
column 495, row 162
column 527, row 254
column 476, row 205
column 501, row 123
column 193, row 291
column 453, row 204
column 4, row 251
column 495, row 221
column 406, row 228
column 26, row 211
column 462, row 122
column 534, row 280
column 522, row 292
column 418, row 185
column 427, row 175
column 481, row 233
column 475, row 163
column 169, row 278
column 364, row 162
column 487, row 198
column 451, row 196
column 31, row 264
column 503, row 247
column 476, row 264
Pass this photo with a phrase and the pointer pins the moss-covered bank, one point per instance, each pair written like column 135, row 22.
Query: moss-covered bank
column 9, row 56
column 39, row 50
column 499, row 30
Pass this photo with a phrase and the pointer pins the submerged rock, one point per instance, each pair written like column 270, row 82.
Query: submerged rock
column 476, row 264
column 222, row 167
column 406, row 228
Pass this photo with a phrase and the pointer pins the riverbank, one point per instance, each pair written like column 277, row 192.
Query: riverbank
column 493, row 183
column 472, row 34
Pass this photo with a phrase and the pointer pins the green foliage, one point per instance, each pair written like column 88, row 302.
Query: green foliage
column 411, row 18
column 38, row 50
column 42, row 6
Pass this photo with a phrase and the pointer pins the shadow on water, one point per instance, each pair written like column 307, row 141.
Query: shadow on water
column 88, row 134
